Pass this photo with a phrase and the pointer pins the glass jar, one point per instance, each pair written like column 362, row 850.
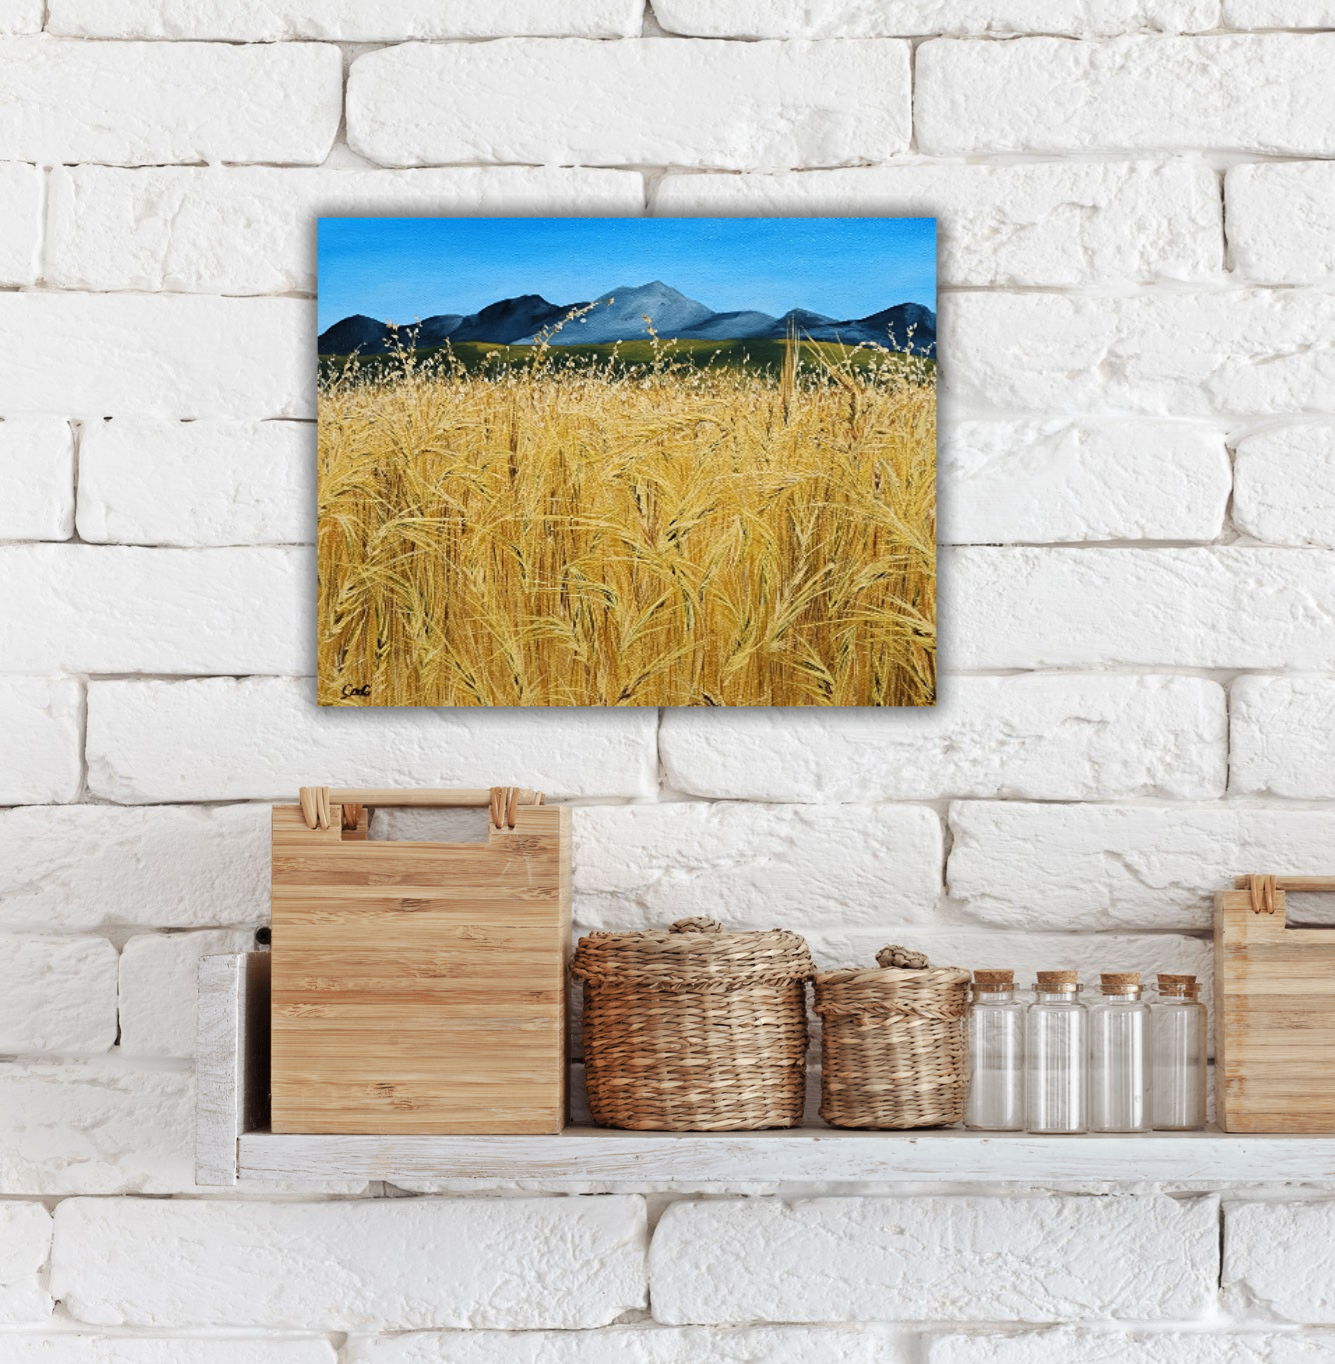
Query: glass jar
column 1178, row 1056
column 1119, row 1057
column 1055, row 1044
column 994, row 1048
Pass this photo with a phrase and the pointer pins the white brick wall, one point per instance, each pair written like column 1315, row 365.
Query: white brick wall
column 96, row 355
column 42, row 721
column 855, row 18
column 147, row 482
column 20, row 222
column 247, row 230
column 1280, row 1258
column 1068, row 737
column 93, row 609
column 72, row 868
column 346, row 20
column 934, row 1259
column 1049, row 481
column 1250, row 94
column 1136, row 211
column 343, row 1266
column 136, row 104
column 1169, row 355
column 159, row 987
column 25, row 1244
column 634, row 1345
column 1284, row 485
column 259, row 738
column 93, row 1349
column 474, row 102
column 1280, row 220
column 57, row 994
column 37, row 469
column 1051, row 223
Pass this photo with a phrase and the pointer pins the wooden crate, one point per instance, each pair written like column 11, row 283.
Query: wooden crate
column 420, row 987
column 1274, row 1011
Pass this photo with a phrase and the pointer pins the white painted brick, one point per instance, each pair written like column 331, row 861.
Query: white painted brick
column 1279, row 13
column 1024, row 951
column 1192, row 608
column 20, row 218
column 396, row 1264
column 257, row 21
column 21, row 16
column 144, row 103
column 159, row 988
column 97, row 355
column 1043, row 481
column 1281, row 221
column 25, row 1243
column 88, row 1349
column 1253, row 351
column 197, row 483
column 636, row 1345
column 98, row 1126
column 1099, row 866
column 662, row 102
column 1283, row 737
column 37, row 473
column 76, row 867
column 1284, row 485
column 756, row 866
column 1072, row 737
column 1279, row 1259
column 41, row 719
column 936, row 1259
column 1067, row 1345
column 1258, row 93
column 250, row 229
column 1044, row 223
column 87, row 608
column 913, row 18
column 57, row 994
column 224, row 739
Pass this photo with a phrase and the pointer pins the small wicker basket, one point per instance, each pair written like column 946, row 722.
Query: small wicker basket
column 695, row 1029
column 892, row 1043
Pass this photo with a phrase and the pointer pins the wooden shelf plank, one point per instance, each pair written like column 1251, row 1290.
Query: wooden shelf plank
column 801, row 1154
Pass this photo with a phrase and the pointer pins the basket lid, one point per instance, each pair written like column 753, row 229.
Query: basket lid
column 894, row 986
column 694, row 954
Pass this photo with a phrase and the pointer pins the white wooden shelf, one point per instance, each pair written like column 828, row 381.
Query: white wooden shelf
column 796, row 1155
column 234, row 1147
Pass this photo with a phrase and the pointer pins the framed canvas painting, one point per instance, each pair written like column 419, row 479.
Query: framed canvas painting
column 627, row 462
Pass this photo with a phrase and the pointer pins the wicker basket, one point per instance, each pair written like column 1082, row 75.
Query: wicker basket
column 695, row 1029
column 892, row 1043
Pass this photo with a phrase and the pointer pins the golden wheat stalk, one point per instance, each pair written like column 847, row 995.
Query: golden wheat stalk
column 554, row 531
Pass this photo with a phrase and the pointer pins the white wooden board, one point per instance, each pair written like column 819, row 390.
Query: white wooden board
column 804, row 1155
column 232, row 1060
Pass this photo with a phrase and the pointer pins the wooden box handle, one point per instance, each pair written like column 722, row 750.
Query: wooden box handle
column 501, row 801
column 1263, row 888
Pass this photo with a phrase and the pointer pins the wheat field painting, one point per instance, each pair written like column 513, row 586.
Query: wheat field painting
column 704, row 475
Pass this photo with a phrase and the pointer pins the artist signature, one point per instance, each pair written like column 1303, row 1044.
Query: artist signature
column 350, row 690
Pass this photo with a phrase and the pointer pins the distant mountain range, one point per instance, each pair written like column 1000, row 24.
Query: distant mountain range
column 619, row 316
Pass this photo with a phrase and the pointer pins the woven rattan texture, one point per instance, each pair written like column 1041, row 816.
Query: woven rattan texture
column 892, row 1047
column 695, row 1030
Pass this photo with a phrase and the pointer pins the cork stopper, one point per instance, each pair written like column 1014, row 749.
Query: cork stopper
column 1173, row 986
column 994, row 981
column 1053, row 982
column 1120, row 982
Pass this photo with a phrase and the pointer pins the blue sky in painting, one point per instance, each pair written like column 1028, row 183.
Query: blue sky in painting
column 398, row 269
